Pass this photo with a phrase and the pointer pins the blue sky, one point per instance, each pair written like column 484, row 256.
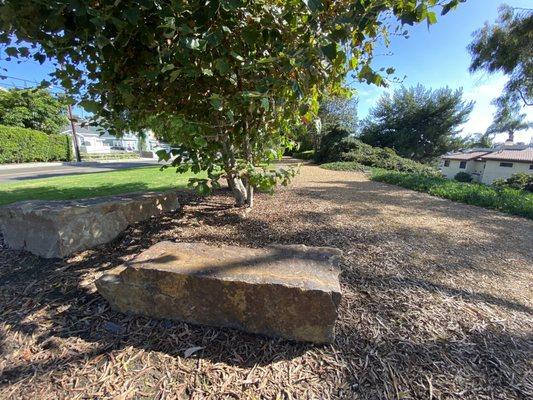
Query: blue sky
column 435, row 57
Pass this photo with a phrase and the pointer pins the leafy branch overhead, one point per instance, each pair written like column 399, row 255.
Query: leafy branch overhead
column 227, row 81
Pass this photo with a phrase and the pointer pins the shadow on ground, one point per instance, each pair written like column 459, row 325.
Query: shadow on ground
column 409, row 325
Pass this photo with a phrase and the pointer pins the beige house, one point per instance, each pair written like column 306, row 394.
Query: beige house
column 485, row 166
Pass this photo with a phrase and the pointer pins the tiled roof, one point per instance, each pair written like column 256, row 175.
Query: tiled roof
column 465, row 156
column 525, row 155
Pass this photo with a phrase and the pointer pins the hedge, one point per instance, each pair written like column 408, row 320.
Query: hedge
column 19, row 145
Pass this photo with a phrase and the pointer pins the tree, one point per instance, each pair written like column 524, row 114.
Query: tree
column 507, row 46
column 418, row 123
column 33, row 109
column 509, row 119
column 336, row 113
column 225, row 80
column 484, row 140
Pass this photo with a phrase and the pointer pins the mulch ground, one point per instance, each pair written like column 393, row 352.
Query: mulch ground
column 437, row 303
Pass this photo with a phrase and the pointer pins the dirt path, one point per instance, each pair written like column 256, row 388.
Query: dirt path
column 437, row 303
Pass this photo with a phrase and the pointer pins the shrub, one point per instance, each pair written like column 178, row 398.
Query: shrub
column 345, row 166
column 329, row 145
column 338, row 146
column 19, row 145
column 304, row 155
column 463, row 177
column 511, row 201
column 520, row 181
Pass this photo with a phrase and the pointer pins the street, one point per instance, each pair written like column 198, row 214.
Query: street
column 46, row 171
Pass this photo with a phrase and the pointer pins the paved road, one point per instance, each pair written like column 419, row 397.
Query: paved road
column 34, row 172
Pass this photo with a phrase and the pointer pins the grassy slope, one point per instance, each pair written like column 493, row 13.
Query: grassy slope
column 93, row 185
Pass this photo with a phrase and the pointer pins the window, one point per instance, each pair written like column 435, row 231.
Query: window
column 506, row 164
column 462, row 165
column 447, row 163
column 531, row 166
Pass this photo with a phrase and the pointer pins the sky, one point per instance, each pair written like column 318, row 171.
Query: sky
column 437, row 57
column 434, row 57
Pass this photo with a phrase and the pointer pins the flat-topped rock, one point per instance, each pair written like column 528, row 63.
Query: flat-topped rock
column 290, row 292
column 59, row 228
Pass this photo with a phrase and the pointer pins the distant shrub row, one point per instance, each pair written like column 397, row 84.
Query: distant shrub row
column 345, row 166
column 304, row 155
column 512, row 201
column 18, row 145
column 338, row 146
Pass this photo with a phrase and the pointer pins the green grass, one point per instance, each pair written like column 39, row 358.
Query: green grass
column 512, row 201
column 93, row 185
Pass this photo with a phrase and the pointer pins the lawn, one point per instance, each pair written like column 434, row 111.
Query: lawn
column 93, row 185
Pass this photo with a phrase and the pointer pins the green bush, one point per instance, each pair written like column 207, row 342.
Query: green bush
column 520, row 181
column 328, row 150
column 338, row 146
column 305, row 155
column 463, row 177
column 345, row 166
column 511, row 201
column 18, row 145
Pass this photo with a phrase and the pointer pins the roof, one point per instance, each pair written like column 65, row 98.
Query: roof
column 525, row 155
column 465, row 156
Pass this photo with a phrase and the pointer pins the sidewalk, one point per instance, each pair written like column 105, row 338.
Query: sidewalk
column 73, row 163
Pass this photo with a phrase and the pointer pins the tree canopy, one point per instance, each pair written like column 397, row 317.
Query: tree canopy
column 418, row 123
column 225, row 80
column 507, row 46
column 33, row 109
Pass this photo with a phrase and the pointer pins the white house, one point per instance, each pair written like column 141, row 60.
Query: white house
column 93, row 139
column 487, row 165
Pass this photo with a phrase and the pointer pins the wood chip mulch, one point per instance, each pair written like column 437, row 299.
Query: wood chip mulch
column 437, row 304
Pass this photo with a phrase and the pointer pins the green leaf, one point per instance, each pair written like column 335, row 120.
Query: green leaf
column 431, row 18
column 195, row 43
column 168, row 67
column 11, row 51
column 313, row 5
column 265, row 104
column 216, row 102
column 330, row 51
column 133, row 15
column 222, row 66
column 207, row 71
column 90, row 106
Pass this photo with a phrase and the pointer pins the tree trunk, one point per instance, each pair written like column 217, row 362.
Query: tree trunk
column 249, row 196
column 238, row 190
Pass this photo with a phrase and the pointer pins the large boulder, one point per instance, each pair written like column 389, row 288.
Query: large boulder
column 290, row 292
column 59, row 228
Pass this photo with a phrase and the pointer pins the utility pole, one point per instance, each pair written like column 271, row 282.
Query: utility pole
column 74, row 137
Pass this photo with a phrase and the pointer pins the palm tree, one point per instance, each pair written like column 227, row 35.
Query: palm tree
column 508, row 119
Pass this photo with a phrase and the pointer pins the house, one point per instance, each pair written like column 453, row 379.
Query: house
column 487, row 165
column 94, row 139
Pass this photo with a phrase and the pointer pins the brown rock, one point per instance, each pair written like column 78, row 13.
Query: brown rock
column 291, row 292
column 59, row 228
